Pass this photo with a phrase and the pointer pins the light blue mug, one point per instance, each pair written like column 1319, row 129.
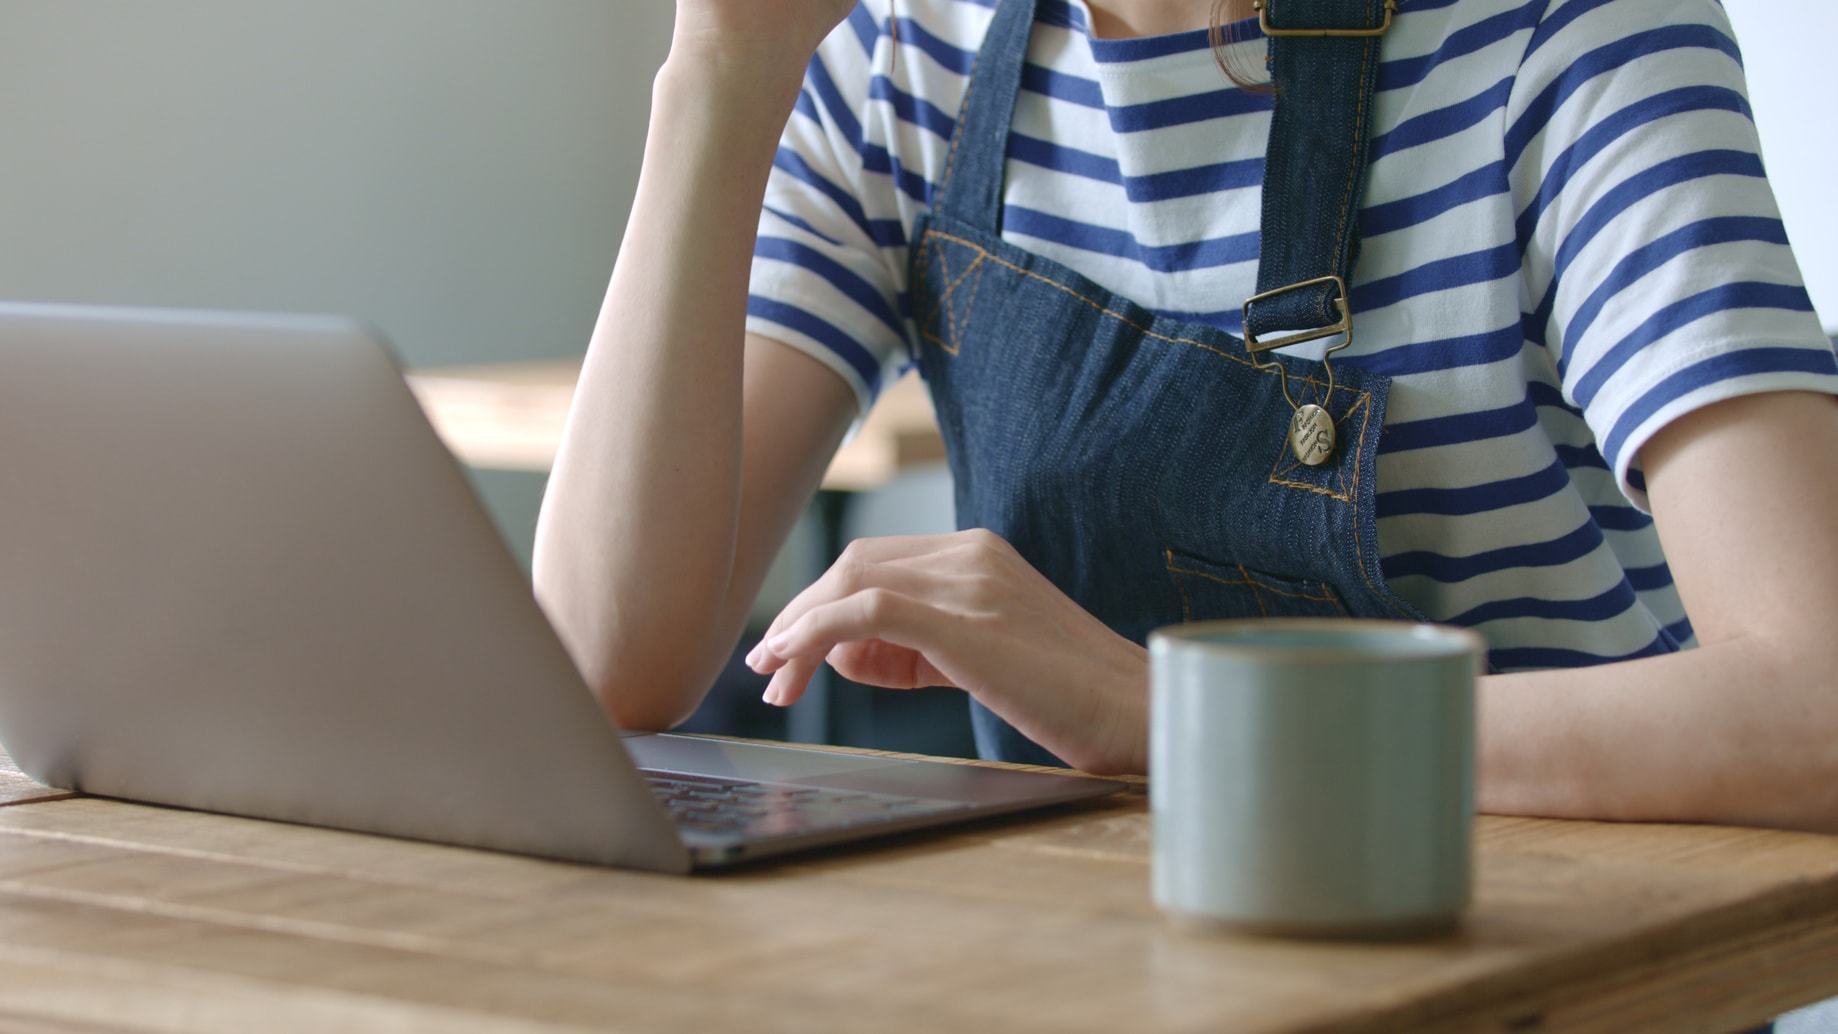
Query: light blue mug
column 1313, row 777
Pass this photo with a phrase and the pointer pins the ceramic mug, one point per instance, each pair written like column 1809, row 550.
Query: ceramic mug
column 1313, row 777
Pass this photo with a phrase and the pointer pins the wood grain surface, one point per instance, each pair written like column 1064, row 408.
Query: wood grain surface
column 15, row 788
column 118, row 916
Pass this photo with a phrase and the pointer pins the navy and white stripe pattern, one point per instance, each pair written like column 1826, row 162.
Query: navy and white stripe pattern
column 1568, row 242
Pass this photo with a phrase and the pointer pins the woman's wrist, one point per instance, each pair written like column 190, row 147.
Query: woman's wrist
column 1109, row 734
column 1128, row 685
column 729, row 115
column 746, row 84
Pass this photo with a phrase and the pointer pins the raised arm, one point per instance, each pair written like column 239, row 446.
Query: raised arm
column 662, row 513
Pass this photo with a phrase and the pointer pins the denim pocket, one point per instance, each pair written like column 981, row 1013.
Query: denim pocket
column 1211, row 590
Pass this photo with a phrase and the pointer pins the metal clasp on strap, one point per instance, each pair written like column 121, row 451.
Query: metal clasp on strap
column 1311, row 431
column 1343, row 326
column 1263, row 22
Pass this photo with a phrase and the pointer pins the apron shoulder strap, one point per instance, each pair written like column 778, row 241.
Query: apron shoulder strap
column 1324, row 58
column 970, row 191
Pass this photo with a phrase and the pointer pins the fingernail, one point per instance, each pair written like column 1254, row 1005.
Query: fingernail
column 767, row 695
column 778, row 642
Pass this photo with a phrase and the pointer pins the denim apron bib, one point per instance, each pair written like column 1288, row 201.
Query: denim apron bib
column 1144, row 465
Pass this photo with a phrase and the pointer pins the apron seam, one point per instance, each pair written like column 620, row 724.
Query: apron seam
column 1114, row 314
column 1251, row 581
column 1357, row 168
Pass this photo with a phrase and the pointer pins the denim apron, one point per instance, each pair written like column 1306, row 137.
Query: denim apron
column 1142, row 464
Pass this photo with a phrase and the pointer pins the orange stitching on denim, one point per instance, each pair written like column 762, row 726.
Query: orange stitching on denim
column 1287, row 463
column 1252, row 585
column 1326, row 596
column 976, row 285
column 1113, row 314
column 1347, row 493
column 948, row 319
column 1365, row 420
column 1251, row 582
column 961, row 277
column 936, row 340
column 930, row 305
column 1359, row 560
column 1275, row 478
column 1180, row 586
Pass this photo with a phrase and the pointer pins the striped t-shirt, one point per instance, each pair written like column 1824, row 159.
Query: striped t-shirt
column 1567, row 242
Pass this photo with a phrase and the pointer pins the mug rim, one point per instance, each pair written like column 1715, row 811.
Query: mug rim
column 1441, row 641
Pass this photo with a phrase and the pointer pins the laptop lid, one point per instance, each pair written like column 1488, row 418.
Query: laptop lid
column 240, row 573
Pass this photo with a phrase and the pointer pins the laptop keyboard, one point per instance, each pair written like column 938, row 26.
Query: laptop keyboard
column 724, row 806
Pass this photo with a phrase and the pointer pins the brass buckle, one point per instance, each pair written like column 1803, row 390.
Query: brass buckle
column 1343, row 326
column 1263, row 22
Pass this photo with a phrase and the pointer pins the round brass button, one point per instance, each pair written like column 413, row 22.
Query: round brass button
column 1311, row 435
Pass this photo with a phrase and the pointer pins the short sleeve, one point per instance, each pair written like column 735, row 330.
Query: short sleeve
column 1657, row 270
column 821, row 279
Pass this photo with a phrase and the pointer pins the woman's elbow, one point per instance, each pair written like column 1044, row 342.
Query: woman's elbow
column 644, row 691
column 640, row 712
column 638, row 689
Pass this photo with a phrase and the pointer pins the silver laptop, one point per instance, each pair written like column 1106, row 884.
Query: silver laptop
column 239, row 573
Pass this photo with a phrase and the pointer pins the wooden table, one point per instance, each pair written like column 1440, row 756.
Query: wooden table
column 118, row 916
column 509, row 416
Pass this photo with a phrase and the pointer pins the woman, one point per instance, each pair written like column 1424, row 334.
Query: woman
column 1572, row 304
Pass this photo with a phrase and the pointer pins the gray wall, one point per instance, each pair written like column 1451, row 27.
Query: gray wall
column 1793, row 82
column 456, row 172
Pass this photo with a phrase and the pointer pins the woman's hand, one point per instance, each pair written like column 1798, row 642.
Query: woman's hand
column 966, row 610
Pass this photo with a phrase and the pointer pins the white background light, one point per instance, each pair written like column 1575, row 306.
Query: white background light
column 1789, row 52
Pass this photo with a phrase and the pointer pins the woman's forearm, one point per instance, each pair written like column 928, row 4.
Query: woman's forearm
column 635, row 544
column 1737, row 731
column 1743, row 729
